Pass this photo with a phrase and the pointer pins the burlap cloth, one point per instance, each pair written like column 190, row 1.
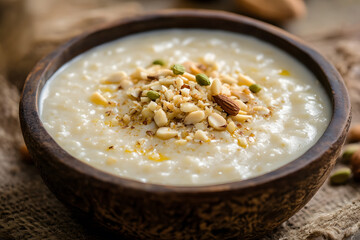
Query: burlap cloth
column 28, row 210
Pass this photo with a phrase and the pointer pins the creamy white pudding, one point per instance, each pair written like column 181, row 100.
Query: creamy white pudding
column 232, row 108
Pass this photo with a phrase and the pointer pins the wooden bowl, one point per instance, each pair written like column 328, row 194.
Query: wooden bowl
column 242, row 209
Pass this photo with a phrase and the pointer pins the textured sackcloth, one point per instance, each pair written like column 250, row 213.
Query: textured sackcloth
column 28, row 210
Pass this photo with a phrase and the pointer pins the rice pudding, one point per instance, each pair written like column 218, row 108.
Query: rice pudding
column 185, row 107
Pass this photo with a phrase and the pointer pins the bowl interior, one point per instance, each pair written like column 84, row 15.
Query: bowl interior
column 323, row 71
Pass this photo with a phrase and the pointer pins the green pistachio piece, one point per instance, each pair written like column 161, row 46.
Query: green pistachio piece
column 153, row 95
column 178, row 69
column 348, row 151
column 159, row 62
column 255, row 88
column 202, row 79
column 340, row 176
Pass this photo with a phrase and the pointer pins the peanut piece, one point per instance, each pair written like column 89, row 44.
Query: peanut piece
column 126, row 119
column 188, row 107
column 194, row 117
column 115, row 78
column 152, row 106
column 147, row 113
column 201, row 135
column 97, row 98
column 231, row 127
column 166, row 133
column 241, row 118
column 261, row 110
column 160, row 118
column 215, row 87
column 217, row 121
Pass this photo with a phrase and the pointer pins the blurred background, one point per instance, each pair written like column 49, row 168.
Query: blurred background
column 29, row 29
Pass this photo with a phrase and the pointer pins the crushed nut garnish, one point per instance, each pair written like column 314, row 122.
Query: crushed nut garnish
column 227, row 104
column 188, row 102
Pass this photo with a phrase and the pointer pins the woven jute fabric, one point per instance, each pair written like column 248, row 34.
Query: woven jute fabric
column 28, row 210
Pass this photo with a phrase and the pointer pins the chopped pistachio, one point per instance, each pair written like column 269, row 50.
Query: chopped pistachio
column 255, row 88
column 202, row 79
column 340, row 176
column 153, row 95
column 178, row 104
column 178, row 69
column 159, row 62
column 348, row 151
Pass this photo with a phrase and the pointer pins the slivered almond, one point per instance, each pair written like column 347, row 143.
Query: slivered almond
column 225, row 78
column 189, row 76
column 241, row 105
column 245, row 80
column 227, row 104
column 195, row 70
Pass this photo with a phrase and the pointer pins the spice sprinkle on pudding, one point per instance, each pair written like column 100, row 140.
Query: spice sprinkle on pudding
column 185, row 107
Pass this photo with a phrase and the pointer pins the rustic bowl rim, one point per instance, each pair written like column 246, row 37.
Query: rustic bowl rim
column 29, row 111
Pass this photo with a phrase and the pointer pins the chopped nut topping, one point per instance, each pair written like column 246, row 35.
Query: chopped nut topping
column 227, row 104
column 201, row 135
column 178, row 69
column 159, row 62
column 160, row 118
column 97, row 98
column 255, row 88
column 216, row 87
column 261, row 110
column 245, row 80
column 217, row 121
column 228, row 79
column 166, row 133
column 241, row 118
column 115, row 78
column 188, row 107
column 150, row 133
column 194, row 117
column 187, row 102
column 202, row 79
column 153, row 95
column 231, row 127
